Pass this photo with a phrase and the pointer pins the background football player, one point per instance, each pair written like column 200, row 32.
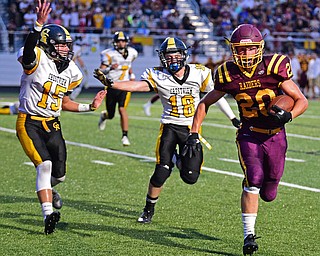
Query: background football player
column 254, row 80
column 77, row 58
column 49, row 76
column 178, row 85
column 117, row 63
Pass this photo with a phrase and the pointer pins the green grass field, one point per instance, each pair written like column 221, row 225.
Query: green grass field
column 106, row 184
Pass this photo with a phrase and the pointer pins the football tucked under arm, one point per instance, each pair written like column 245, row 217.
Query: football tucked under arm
column 284, row 102
column 280, row 107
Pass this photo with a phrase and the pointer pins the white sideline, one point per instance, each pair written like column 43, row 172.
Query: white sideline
column 142, row 157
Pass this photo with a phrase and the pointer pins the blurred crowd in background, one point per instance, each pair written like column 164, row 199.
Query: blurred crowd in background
column 146, row 16
column 274, row 18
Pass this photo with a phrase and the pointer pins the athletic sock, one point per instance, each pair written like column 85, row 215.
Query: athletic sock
column 46, row 209
column 150, row 203
column 249, row 221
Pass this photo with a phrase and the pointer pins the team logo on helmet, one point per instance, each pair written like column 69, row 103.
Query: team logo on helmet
column 52, row 35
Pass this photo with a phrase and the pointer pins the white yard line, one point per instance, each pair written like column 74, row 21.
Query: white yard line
column 147, row 158
column 287, row 159
column 204, row 168
column 224, row 126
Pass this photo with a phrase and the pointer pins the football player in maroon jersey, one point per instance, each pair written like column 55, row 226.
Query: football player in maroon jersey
column 254, row 79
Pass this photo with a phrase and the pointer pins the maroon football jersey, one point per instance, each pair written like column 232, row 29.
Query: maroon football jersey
column 255, row 90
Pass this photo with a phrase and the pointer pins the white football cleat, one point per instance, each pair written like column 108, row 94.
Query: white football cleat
column 147, row 108
column 125, row 141
column 102, row 121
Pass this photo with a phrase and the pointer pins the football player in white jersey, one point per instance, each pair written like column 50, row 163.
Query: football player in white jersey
column 49, row 75
column 117, row 63
column 178, row 85
column 77, row 58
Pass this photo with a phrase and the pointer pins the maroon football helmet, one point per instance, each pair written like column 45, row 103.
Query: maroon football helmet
column 247, row 35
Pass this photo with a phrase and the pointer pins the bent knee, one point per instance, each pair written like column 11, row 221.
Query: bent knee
column 189, row 176
column 269, row 191
column 160, row 175
column 268, row 197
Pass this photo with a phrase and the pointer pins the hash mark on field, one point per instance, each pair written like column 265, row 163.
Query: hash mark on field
column 101, row 162
column 28, row 163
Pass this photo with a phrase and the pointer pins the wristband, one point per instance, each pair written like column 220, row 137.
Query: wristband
column 84, row 107
column 37, row 26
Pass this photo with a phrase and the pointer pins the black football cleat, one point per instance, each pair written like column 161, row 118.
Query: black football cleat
column 250, row 245
column 50, row 222
column 146, row 216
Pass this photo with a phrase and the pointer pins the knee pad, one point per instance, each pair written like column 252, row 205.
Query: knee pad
column 43, row 180
column 56, row 181
column 191, row 167
column 160, row 175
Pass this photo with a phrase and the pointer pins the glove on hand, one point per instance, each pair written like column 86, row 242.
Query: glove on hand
column 280, row 115
column 236, row 122
column 192, row 145
column 107, row 82
column 98, row 99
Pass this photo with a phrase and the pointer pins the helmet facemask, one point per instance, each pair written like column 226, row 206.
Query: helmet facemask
column 246, row 36
column 244, row 60
column 174, row 64
column 173, row 46
column 61, row 55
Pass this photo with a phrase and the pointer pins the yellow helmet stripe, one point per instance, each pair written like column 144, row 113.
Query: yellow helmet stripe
column 121, row 36
column 171, row 43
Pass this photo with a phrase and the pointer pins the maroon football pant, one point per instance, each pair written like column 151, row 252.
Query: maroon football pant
column 262, row 158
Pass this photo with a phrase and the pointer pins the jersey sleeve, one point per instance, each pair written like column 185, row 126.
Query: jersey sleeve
column 134, row 53
column 147, row 76
column 207, row 82
column 105, row 58
column 224, row 75
column 76, row 76
column 280, row 65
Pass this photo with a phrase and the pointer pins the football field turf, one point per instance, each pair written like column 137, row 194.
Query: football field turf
column 104, row 192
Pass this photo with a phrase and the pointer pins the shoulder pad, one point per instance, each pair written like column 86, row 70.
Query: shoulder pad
column 278, row 64
column 223, row 72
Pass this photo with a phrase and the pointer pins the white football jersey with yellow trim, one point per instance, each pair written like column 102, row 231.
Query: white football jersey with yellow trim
column 112, row 56
column 179, row 98
column 43, row 87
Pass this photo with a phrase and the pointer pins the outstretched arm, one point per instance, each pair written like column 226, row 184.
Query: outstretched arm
column 202, row 109
column 72, row 106
column 128, row 86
